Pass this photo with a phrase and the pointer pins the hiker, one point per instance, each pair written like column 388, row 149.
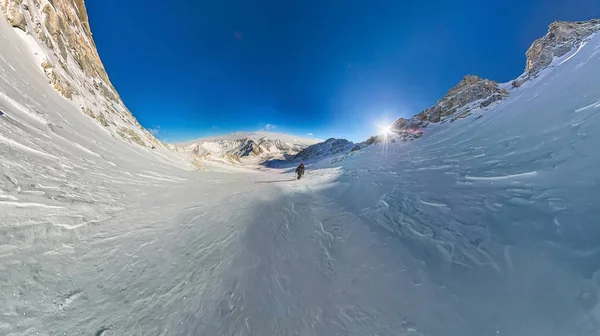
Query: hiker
column 300, row 170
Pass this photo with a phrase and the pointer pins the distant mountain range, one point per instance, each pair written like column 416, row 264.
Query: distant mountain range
column 246, row 148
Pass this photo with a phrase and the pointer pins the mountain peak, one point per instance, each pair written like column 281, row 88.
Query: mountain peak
column 562, row 37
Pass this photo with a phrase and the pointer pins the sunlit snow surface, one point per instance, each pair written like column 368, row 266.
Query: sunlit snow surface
column 484, row 226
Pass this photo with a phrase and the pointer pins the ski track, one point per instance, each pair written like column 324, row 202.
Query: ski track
column 498, row 178
column 15, row 144
column 28, row 205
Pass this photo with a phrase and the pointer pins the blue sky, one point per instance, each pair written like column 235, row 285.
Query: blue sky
column 333, row 68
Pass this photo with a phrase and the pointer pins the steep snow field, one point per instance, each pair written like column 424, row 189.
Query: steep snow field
column 484, row 226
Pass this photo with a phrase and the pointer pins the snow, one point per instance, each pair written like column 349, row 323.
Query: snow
column 292, row 139
column 483, row 226
column 246, row 149
column 575, row 53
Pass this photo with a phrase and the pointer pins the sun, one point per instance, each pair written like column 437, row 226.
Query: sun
column 386, row 130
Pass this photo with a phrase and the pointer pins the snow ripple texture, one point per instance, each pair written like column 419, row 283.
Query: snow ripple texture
column 485, row 226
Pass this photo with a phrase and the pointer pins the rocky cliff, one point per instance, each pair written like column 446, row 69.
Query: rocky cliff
column 562, row 37
column 68, row 57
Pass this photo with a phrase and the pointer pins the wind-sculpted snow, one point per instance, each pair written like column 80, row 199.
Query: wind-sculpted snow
column 485, row 226
column 498, row 213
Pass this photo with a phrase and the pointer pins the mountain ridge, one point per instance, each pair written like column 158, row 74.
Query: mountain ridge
column 474, row 93
column 247, row 148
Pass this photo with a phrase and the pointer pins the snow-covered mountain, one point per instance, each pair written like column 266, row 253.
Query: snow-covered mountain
column 474, row 94
column 246, row 147
column 485, row 226
column 58, row 36
column 323, row 149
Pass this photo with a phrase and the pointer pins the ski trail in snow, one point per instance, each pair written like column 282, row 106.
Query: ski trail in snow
column 8, row 197
column 24, row 148
column 25, row 111
column 86, row 150
column 591, row 106
column 158, row 178
column 438, row 205
column 29, row 205
column 505, row 177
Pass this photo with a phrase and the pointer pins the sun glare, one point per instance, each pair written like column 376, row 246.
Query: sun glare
column 385, row 130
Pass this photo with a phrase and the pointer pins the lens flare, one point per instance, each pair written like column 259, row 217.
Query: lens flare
column 386, row 131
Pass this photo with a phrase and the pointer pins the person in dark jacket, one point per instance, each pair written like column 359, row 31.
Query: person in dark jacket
column 300, row 170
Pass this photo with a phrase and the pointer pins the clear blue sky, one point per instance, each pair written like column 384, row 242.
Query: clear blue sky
column 333, row 68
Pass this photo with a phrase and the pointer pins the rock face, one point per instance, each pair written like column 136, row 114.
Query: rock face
column 469, row 94
column 562, row 37
column 13, row 10
column 72, row 64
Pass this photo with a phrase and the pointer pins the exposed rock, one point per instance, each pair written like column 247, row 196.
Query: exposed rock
column 13, row 11
column 562, row 37
column 61, row 85
column 46, row 65
column 375, row 139
column 470, row 89
column 51, row 21
column 133, row 136
column 494, row 98
column 102, row 120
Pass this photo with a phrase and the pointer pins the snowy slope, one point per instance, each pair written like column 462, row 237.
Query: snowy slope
column 485, row 226
column 247, row 148
column 473, row 94
column 59, row 44
column 494, row 219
